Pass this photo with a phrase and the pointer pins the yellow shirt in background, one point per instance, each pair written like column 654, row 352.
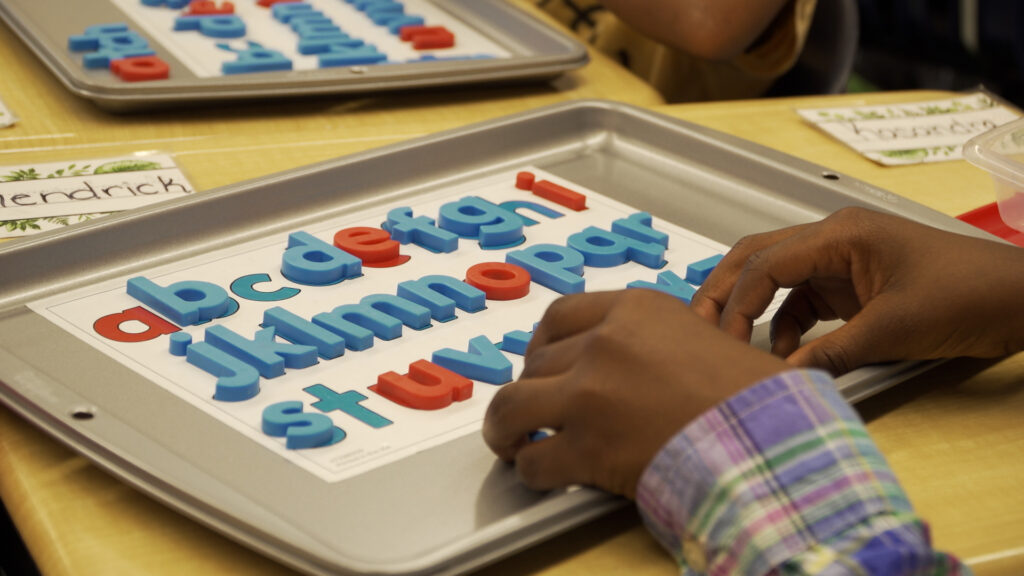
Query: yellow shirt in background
column 679, row 76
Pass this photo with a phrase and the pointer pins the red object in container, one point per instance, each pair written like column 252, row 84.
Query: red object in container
column 987, row 218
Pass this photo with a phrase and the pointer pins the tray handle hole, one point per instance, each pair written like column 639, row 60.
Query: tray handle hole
column 830, row 176
column 83, row 413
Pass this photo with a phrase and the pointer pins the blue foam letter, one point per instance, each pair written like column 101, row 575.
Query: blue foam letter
column 410, row 313
column 212, row 26
column 441, row 294
column 699, row 271
column 302, row 430
column 285, row 11
column 255, row 59
column 483, row 362
column 262, row 352
column 516, row 205
column 419, row 231
column 342, row 54
column 110, row 42
column 296, row 329
column 179, row 343
column 670, row 283
column 236, row 380
column 473, row 217
column 516, row 341
column 243, row 288
column 313, row 262
column 358, row 324
column 603, row 249
column 556, row 267
column 638, row 227
column 347, row 402
column 185, row 303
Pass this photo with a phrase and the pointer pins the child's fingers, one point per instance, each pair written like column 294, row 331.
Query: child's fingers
column 788, row 324
column 520, row 408
column 553, row 358
column 569, row 315
column 815, row 252
column 550, row 463
column 869, row 337
column 713, row 295
column 800, row 311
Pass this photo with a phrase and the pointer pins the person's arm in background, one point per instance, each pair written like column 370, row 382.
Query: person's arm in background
column 710, row 29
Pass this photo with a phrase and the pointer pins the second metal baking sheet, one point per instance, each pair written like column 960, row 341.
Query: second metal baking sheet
column 494, row 42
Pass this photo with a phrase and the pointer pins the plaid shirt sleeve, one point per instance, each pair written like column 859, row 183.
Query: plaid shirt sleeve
column 783, row 478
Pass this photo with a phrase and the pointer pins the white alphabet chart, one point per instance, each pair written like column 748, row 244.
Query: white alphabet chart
column 358, row 341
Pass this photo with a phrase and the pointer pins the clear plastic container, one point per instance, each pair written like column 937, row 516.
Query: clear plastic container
column 1001, row 152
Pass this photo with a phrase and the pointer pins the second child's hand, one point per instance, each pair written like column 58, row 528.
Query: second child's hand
column 907, row 291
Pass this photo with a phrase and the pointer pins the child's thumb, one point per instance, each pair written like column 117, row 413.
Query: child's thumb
column 853, row 344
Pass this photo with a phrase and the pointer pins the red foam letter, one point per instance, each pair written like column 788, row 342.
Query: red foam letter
column 499, row 281
column 560, row 194
column 371, row 245
column 140, row 68
column 524, row 180
column 427, row 37
column 427, row 386
column 443, row 39
column 209, row 7
column 110, row 325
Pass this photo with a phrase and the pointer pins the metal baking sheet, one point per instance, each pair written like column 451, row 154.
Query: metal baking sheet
column 452, row 507
column 495, row 42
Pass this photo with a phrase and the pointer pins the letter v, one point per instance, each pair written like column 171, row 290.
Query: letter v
column 483, row 362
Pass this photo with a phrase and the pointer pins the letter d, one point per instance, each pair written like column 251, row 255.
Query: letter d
column 313, row 262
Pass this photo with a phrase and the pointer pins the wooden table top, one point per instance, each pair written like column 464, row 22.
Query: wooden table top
column 953, row 435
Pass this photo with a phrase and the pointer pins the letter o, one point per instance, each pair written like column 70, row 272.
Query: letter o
column 499, row 281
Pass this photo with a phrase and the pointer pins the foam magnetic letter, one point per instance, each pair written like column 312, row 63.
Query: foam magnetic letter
column 483, row 362
column 419, row 231
column 236, row 380
column 185, row 303
column 311, row 261
column 556, row 267
column 427, row 386
column 294, row 328
column 348, row 402
column 473, row 217
column 603, row 249
column 109, row 326
column 301, row 429
column 441, row 294
column 670, row 283
column 262, row 352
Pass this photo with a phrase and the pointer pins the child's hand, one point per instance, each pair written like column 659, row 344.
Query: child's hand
column 906, row 290
column 615, row 375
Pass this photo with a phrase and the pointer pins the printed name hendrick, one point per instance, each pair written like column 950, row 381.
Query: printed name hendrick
column 93, row 190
